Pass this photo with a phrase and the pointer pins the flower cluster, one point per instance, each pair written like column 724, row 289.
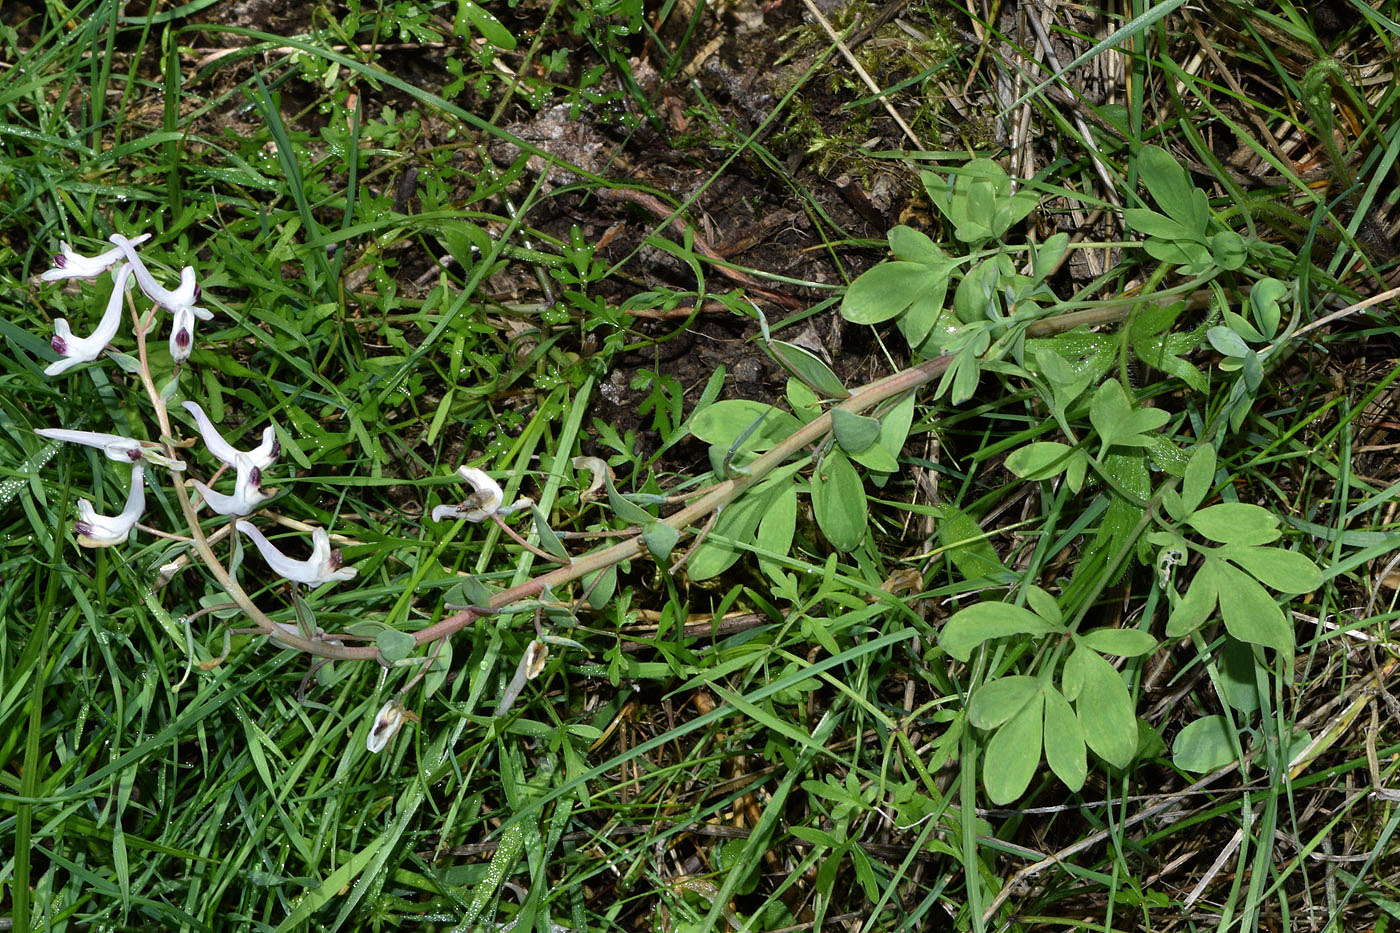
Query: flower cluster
column 182, row 303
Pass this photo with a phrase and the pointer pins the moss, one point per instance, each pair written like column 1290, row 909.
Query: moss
column 820, row 120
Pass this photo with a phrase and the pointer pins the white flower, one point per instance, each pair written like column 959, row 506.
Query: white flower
column 180, row 303
column 249, row 464
column 103, row 531
column 261, row 456
column 75, row 350
column 485, row 500
column 247, row 492
column 70, row 265
column 387, row 722
column 116, row 447
column 322, row 566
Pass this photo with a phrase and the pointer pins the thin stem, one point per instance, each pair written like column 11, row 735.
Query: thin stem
column 206, row 553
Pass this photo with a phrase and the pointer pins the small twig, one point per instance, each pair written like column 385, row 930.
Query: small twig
column 515, row 536
column 702, row 246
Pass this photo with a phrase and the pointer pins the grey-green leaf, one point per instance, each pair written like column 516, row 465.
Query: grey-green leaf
column 1013, row 754
column 1285, row 571
column 1236, row 523
column 1106, row 711
column 1064, row 741
column 855, row 433
column 838, row 502
column 1122, row 642
column 1040, row 460
column 1203, row 745
column 969, row 627
column 722, row 423
column 997, row 701
column 395, row 645
column 660, row 539
column 1251, row 614
column 885, row 291
column 805, row 364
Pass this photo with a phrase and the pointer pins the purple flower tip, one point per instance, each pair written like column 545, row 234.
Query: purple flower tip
column 134, row 454
column 335, row 560
column 83, row 528
column 255, row 477
column 182, row 338
column 60, row 261
column 59, row 345
column 276, row 449
column 198, row 292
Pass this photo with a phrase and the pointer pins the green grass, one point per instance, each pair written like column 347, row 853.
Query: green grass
column 781, row 743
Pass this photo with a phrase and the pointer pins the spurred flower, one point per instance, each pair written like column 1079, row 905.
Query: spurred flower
column 247, row 492
column 261, row 456
column 116, row 447
column 181, row 303
column 485, row 500
column 387, row 722
column 322, row 566
column 70, row 265
column 104, row 531
column 74, row 349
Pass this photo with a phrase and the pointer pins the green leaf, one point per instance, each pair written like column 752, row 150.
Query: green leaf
column 838, row 502
column 998, row 700
column 1285, row 571
column 1192, row 257
column 976, row 292
column 625, row 509
column 804, row 402
column 1250, row 613
column 855, row 433
column 1117, row 421
column 1226, row 342
column 1152, row 223
column 1228, row 250
column 1044, row 605
column 1040, row 460
column 395, row 645
column 1072, row 361
column 1048, row 255
column 1264, row 298
column 1121, row 642
column 805, row 364
column 1203, row 745
column 484, row 23
column 1106, row 710
column 969, row 627
column 886, row 291
column 894, row 431
column 966, row 543
column 723, row 423
column 549, row 541
column 1064, row 741
column 715, row 554
column 600, row 585
column 913, row 246
column 1236, row 523
column 927, row 314
column 1013, row 754
column 1200, row 476
column 660, row 539
column 1236, row 667
column 776, row 528
column 1171, row 188
column 469, row 591
column 1197, row 604
column 961, row 377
